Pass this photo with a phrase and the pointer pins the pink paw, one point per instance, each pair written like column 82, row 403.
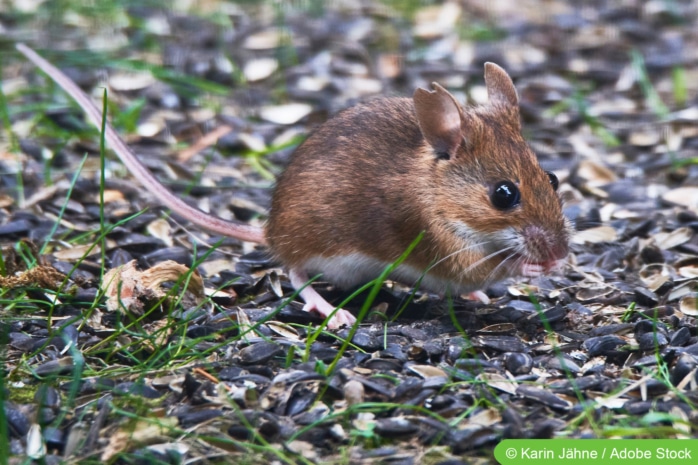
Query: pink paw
column 314, row 302
column 340, row 318
column 479, row 295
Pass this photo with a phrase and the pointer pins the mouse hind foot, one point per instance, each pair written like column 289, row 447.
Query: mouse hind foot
column 314, row 302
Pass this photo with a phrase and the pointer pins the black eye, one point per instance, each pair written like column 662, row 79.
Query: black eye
column 505, row 195
column 553, row 180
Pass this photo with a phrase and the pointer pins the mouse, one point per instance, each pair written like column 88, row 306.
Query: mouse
column 369, row 181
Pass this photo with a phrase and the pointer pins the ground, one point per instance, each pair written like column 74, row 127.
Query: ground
column 131, row 336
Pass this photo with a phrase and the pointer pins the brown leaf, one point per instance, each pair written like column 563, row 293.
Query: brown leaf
column 78, row 252
column 127, row 288
column 205, row 142
column 45, row 277
column 143, row 432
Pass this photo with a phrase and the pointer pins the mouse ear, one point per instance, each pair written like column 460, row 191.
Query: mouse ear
column 500, row 87
column 438, row 115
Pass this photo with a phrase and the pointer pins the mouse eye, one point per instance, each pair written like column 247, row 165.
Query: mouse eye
column 553, row 180
column 505, row 195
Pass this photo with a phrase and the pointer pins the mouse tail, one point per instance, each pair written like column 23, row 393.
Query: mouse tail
column 241, row 231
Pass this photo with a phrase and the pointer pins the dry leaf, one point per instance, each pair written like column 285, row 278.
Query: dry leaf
column 594, row 235
column 390, row 65
column 284, row 330
column 289, row 113
column 689, row 271
column 214, row 267
column 94, row 321
column 254, row 142
column 682, row 196
column 144, row 432
column 6, row 201
column 353, row 392
column 487, row 417
column 168, row 447
column 127, row 288
column 595, row 174
column 264, row 40
column 499, row 382
column 129, row 82
column 669, row 240
column 40, row 195
column 160, row 330
column 209, row 139
column 113, row 195
column 36, row 447
column 428, row 371
column 79, row 252
column 645, row 138
column 260, row 69
column 686, row 288
column 245, row 325
column 304, row 449
column 593, row 291
column 689, row 305
column 655, row 275
column 436, row 20
column 161, row 229
column 681, row 422
column 41, row 276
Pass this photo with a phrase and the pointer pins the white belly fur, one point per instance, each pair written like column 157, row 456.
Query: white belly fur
column 350, row 270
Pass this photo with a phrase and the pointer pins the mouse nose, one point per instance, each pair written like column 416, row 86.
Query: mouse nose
column 543, row 244
column 559, row 250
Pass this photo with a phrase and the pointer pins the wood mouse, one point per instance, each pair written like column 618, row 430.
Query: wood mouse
column 362, row 187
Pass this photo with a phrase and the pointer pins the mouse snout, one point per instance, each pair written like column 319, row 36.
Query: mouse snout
column 543, row 245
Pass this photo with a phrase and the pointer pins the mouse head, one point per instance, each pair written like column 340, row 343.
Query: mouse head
column 491, row 195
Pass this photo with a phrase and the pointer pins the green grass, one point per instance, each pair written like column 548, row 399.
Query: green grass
column 259, row 159
column 4, row 436
column 579, row 103
column 680, row 86
column 130, row 350
column 652, row 98
column 140, row 347
column 11, row 137
column 128, row 353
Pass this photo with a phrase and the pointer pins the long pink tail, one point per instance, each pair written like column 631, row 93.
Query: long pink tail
column 241, row 231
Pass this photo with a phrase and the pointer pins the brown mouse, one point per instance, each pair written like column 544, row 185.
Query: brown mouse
column 367, row 182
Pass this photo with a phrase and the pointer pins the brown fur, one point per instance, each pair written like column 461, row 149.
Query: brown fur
column 368, row 181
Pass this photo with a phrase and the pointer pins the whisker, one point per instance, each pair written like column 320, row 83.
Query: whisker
column 484, row 259
column 519, row 254
column 472, row 246
column 432, row 266
column 490, row 275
